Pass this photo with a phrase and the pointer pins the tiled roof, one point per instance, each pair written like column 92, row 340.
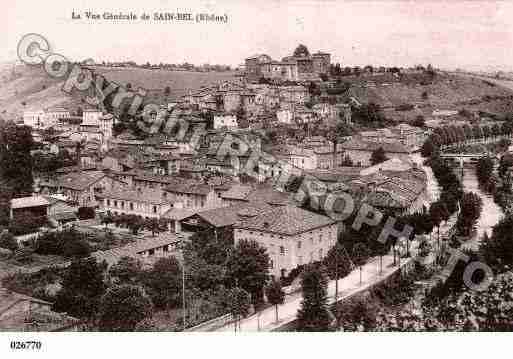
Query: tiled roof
column 339, row 174
column 286, row 220
column 393, row 164
column 152, row 177
column 356, row 144
column 134, row 196
column 238, row 191
column 227, row 216
column 112, row 256
column 271, row 196
column 190, row 188
column 80, row 181
column 394, row 189
column 25, row 202
column 178, row 214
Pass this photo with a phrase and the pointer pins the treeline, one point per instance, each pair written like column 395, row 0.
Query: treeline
column 448, row 135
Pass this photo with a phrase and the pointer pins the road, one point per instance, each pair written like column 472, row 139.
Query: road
column 348, row 286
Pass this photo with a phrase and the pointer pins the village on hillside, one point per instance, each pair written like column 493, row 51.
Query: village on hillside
column 296, row 195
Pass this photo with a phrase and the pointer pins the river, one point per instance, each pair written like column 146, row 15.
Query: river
column 491, row 213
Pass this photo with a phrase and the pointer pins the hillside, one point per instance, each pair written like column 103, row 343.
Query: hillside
column 30, row 88
column 446, row 92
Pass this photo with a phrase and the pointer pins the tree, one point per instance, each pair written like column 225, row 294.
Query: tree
column 505, row 163
column 153, row 225
column 7, row 241
column 301, row 51
column 240, row 303
column 86, row 212
column 369, row 114
column 82, row 288
column 16, row 162
column 498, row 248
column 428, row 148
column 25, row 223
column 248, row 267
column 486, row 131
column 496, row 130
column 347, row 161
column 123, row 307
column 360, row 255
column 126, row 270
column 484, row 170
column 163, row 283
column 477, row 131
column 378, row 156
column 313, row 315
column 419, row 121
column 358, row 313
column 107, row 219
column 275, row 295
column 471, row 206
column 337, row 263
column 438, row 213
column 67, row 243
column 134, row 223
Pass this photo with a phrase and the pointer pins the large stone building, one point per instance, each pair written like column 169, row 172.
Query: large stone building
column 360, row 151
column 292, row 236
column 410, row 137
column 145, row 205
column 292, row 68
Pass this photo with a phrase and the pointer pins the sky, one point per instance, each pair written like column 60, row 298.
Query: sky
column 473, row 35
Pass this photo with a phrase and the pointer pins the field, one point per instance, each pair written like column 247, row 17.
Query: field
column 24, row 88
column 178, row 81
column 446, row 92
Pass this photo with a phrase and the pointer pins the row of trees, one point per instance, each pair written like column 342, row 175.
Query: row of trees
column 135, row 223
column 453, row 134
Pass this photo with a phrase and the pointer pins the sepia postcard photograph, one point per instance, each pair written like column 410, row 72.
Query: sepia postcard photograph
column 236, row 173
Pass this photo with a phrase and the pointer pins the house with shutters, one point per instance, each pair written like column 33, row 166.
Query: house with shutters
column 292, row 236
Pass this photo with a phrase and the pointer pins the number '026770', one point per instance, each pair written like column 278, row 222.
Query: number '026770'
column 26, row 345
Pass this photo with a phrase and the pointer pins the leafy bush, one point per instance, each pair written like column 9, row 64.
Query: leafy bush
column 86, row 213
column 68, row 243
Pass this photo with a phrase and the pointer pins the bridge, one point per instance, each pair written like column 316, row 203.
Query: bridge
column 468, row 157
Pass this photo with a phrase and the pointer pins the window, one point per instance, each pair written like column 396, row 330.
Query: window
column 271, row 264
column 282, row 250
column 165, row 248
column 131, row 206
column 108, row 202
column 115, row 203
column 151, row 252
column 154, row 209
column 299, row 245
column 320, row 253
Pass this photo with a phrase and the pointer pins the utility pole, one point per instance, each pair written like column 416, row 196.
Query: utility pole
column 336, row 274
column 183, row 286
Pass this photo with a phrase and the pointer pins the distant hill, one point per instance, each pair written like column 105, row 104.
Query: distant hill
column 446, row 92
column 30, row 88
